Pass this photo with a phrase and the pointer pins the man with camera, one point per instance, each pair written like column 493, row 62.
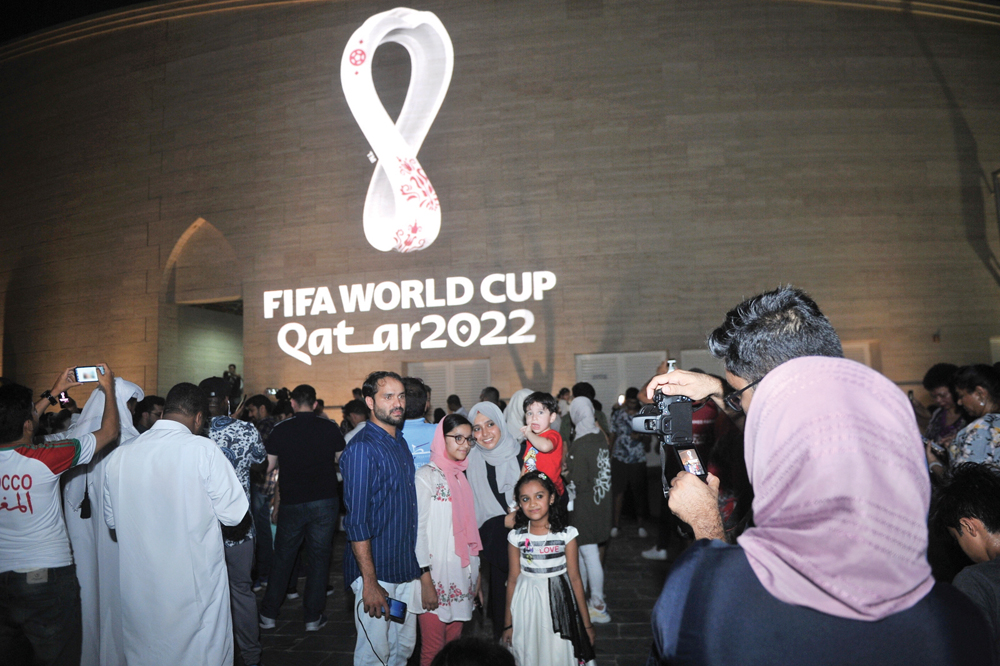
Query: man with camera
column 834, row 568
column 39, row 592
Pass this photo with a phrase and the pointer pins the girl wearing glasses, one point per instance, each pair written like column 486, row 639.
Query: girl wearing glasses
column 448, row 542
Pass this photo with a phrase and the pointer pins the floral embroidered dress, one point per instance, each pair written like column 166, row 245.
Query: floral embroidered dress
column 978, row 442
column 454, row 583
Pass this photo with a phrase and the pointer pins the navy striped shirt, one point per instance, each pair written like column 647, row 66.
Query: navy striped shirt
column 381, row 500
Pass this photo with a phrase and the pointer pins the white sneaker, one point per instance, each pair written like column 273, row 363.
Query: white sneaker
column 599, row 615
column 643, row 533
column 655, row 553
column 614, row 532
column 266, row 622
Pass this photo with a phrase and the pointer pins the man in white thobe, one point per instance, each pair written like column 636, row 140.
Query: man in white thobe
column 165, row 495
column 94, row 550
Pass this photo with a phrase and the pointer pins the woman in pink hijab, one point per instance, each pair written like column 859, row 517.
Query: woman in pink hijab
column 834, row 570
column 448, row 542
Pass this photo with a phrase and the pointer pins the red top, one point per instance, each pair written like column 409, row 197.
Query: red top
column 550, row 463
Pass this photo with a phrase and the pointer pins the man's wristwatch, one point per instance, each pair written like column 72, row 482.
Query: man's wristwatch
column 47, row 394
column 424, row 570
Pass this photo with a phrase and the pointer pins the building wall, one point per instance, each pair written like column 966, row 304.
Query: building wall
column 662, row 159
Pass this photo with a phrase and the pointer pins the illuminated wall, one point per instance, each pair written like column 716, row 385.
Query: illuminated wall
column 659, row 160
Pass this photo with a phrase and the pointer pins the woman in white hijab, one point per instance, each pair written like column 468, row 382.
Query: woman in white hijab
column 94, row 551
column 492, row 472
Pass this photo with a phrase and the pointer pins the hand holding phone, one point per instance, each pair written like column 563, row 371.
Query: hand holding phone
column 397, row 610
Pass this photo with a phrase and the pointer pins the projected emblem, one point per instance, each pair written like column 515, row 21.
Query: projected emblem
column 401, row 211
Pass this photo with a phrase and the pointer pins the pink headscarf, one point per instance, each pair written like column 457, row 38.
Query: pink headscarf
column 841, row 490
column 463, row 510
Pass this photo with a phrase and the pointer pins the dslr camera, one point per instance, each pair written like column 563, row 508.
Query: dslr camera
column 669, row 419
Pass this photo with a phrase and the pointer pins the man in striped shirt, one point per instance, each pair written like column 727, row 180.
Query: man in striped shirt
column 39, row 592
column 381, row 525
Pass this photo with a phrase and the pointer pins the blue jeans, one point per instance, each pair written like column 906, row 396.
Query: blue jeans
column 314, row 523
column 40, row 617
column 260, row 510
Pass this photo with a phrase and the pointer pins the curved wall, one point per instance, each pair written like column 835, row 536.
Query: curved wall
column 662, row 159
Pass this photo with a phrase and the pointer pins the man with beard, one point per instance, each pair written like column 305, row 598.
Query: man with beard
column 381, row 525
column 305, row 449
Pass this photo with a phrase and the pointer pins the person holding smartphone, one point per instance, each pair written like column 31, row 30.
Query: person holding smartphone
column 39, row 592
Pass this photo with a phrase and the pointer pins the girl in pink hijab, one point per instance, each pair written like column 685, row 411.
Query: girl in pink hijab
column 834, row 570
column 448, row 542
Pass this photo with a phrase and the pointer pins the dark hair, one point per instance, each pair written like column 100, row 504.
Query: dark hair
column 15, row 409
column 356, row 407
column 970, row 376
column 146, row 405
column 940, row 374
column 372, row 381
column 564, row 389
column 545, row 399
column 473, row 651
column 357, row 394
column 259, row 401
column 454, row 401
column 303, row 394
column 631, row 392
column 187, row 399
column 282, row 408
column 971, row 490
column 585, row 389
column 490, row 394
column 763, row 332
column 439, row 414
column 452, row 421
column 416, row 397
column 555, row 516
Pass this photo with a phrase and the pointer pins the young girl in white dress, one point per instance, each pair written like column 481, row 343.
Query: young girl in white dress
column 544, row 625
column 447, row 538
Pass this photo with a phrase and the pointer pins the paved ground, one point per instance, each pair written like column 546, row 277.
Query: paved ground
column 631, row 587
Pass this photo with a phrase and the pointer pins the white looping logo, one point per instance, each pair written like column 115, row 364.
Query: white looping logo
column 401, row 212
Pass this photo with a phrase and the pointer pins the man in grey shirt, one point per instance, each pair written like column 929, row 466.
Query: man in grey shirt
column 968, row 504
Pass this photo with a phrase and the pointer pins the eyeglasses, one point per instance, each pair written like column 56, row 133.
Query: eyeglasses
column 734, row 400
column 461, row 439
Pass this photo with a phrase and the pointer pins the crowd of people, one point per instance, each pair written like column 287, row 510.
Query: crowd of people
column 138, row 529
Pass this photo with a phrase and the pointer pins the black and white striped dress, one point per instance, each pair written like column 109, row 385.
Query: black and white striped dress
column 548, row 626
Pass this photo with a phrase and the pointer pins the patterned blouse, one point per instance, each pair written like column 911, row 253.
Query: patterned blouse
column 978, row 442
column 626, row 449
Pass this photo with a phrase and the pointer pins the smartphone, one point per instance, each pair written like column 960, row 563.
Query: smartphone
column 87, row 373
column 64, row 398
column 691, row 462
column 397, row 610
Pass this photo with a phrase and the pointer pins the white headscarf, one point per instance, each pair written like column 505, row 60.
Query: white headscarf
column 90, row 421
column 503, row 458
column 581, row 410
column 514, row 414
column 93, row 411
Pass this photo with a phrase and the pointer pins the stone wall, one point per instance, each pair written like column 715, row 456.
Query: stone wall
column 662, row 159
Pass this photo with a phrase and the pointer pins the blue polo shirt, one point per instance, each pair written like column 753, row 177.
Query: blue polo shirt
column 381, row 500
column 418, row 434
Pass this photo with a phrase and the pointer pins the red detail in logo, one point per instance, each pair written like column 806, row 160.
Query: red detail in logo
column 357, row 57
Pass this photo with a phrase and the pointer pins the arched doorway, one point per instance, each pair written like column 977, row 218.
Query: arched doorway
column 201, row 309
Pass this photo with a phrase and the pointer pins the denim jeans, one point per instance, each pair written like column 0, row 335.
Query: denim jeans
column 315, row 523
column 44, row 616
column 260, row 510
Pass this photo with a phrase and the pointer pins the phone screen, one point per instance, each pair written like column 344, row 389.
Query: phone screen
column 397, row 610
column 86, row 373
column 64, row 398
column 691, row 462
